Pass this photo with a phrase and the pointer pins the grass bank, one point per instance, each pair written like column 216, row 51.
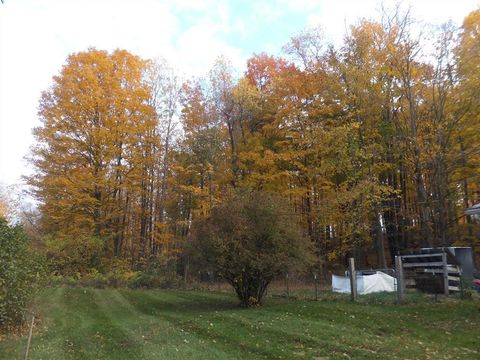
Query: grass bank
column 76, row 323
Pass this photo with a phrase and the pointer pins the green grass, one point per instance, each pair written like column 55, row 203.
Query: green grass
column 91, row 323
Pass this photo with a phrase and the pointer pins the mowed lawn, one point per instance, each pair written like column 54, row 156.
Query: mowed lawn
column 149, row 324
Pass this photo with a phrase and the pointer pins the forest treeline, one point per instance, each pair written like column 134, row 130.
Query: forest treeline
column 375, row 144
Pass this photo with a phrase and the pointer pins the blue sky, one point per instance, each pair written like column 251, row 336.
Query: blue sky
column 256, row 25
column 36, row 36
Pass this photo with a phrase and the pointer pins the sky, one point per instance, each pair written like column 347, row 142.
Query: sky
column 36, row 36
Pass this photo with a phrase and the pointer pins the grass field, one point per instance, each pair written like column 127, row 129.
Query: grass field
column 90, row 323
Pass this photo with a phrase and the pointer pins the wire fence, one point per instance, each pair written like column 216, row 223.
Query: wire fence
column 308, row 286
column 299, row 286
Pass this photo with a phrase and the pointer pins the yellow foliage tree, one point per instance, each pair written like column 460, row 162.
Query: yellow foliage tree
column 92, row 146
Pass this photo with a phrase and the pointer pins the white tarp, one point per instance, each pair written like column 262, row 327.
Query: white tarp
column 366, row 284
column 341, row 284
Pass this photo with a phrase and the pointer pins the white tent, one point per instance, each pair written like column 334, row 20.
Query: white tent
column 366, row 284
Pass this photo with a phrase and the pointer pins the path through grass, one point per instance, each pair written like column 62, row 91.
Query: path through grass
column 137, row 324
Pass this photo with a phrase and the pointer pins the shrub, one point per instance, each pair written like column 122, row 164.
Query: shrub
column 157, row 274
column 114, row 272
column 248, row 240
column 93, row 279
column 120, row 273
column 19, row 271
column 72, row 256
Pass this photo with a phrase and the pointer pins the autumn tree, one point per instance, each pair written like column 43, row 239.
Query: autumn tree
column 91, row 148
column 164, row 97
column 468, row 109
column 374, row 143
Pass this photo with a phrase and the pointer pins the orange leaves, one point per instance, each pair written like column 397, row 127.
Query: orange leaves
column 349, row 135
column 262, row 69
column 95, row 123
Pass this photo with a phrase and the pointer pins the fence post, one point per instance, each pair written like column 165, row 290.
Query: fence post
column 210, row 280
column 286, row 285
column 29, row 337
column 445, row 273
column 316, row 286
column 400, row 279
column 353, row 278
column 185, row 275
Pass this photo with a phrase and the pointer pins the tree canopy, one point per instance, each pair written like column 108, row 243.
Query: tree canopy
column 374, row 145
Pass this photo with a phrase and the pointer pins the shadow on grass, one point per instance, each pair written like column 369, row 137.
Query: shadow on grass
column 185, row 301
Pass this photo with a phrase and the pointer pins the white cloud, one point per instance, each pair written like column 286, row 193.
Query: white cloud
column 36, row 36
column 336, row 16
column 199, row 46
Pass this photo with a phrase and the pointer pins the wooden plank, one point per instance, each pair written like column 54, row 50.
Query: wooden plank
column 422, row 264
column 439, row 271
column 421, row 255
